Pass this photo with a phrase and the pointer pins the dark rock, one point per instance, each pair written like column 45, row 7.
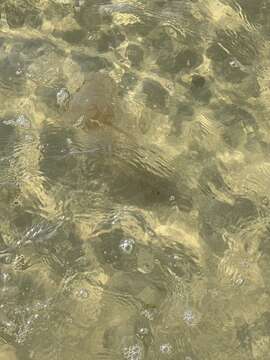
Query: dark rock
column 91, row 63
column 33, row 48
column 2, row 41
column 233, row 136
column 199, row 89
column 128, row 82
column 250, row 87
column 34, row 19
column 264, row 247
column 256, row 12
column 135, row 54
column 211, row 224
column 144, row 27
column 12, row 71
column 72, row 36
column 166, row 63
column 211, row 177
column 144, row 187
column 198, row 81
column 48, row 95
column 3, row 246
column 156, row 95
column 179, row 260
column 216, row 216
column 108, row 250
column 184, row 112
column 56, row 163
column 109, row 39
column 7, row 134
column 244, row 336
column 237, row 45
column 22, row 219
column 262, row 326
column 237, row 122
column 104, row 42
column 185, row 109
column 159, row 39
column 230, row 72
column 15, row 16
column 187, row 59
column 231, row 114
column 138, row 175
column 88, row 16
column 217, row 53
column 244, row 210
column 56, row 11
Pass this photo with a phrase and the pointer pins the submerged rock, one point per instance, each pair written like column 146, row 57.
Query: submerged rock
column 134, row 171
column 94, row 102
column 15, row 16
column 135, row 54
column 156, row 95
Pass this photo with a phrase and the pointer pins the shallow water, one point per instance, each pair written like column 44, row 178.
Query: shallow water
column 134, row 172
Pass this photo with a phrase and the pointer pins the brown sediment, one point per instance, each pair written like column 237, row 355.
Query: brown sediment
column 96, row 109
column 94, row 102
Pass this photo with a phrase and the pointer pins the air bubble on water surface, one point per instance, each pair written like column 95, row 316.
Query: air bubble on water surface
column 82, row 293
column 127, row 246
column 62, row 98
column 166, row 348
column 133, row 352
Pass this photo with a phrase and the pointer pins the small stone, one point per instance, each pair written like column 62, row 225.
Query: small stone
column 15, row 16
column 166, row 63
column 135, row 54
column 156, row 95
column 199, row 89
column 34, row 19
column 216, row 53
column 128, row 81
column 187, row 59
column 160, row 40
column 231, row 71
column 109, row 39
column 72, row 36
column 184, row 60
column 198, row 81
column 90, row 63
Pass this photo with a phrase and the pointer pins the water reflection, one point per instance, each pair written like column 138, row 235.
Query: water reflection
column 134, row 180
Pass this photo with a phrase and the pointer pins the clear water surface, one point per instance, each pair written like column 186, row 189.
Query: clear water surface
column 134, row 180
